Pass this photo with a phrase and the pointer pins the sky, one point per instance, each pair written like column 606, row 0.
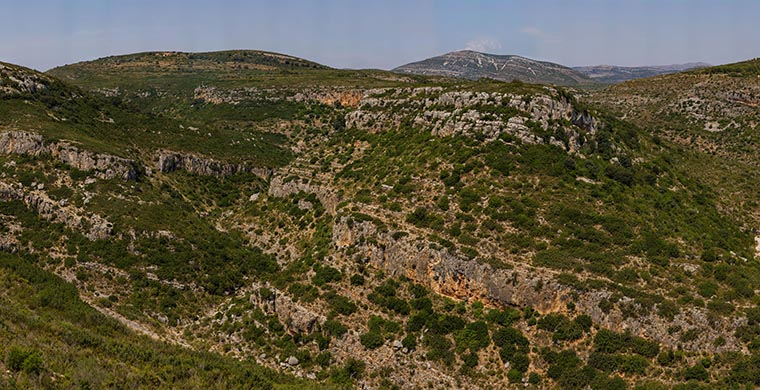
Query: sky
column 384, row 34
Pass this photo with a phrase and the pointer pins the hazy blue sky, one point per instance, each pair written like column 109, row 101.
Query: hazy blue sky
column 384, row 34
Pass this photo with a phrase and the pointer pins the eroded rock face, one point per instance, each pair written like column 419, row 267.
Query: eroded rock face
column 456, row 276
column 281, row 187
column 330, row 96
column 296, row 318
column 532, row 119
column 104, row 166
column 94, row 226
column 168, row 161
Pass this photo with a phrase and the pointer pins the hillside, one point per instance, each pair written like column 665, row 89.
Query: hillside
column 712, row 111
column 396, row 231
column 611, row 74
column 473, row 65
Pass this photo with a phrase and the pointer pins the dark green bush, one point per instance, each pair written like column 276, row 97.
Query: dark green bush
column 372, row 340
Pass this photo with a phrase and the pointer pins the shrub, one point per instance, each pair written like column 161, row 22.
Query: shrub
column 439, row 348
column 324, row 275
column 409, row 342
column 353, row 369
column 514, row 376
column 564, row 329
column 421, row 217
column 610, row 342
column 474, row 336
column 19, row 359
column 520, row 362
column 696, row 372
column 509, row 336
column 324, row 359
column 357, row 280
column 503, row 317
column 707, row 289
column 470, row 360
column 334, row 328
column 371, row 340
column 341, row 304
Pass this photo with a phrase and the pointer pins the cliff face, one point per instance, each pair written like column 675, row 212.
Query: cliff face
column 168, row 161
column 454, row 275
column 104, row 166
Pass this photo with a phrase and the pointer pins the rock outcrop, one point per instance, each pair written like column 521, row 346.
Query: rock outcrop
column 104, row 166
column 15, row 80
column 542, row 118
column 93, row 226
column 456, row 276
column 168, row 161
column 296, row 318
column 281, row 186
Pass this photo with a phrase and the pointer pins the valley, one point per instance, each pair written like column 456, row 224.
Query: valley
column 248, row 219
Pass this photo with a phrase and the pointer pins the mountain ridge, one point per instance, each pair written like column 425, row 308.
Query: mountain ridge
column 615, row 74
column 473, row 65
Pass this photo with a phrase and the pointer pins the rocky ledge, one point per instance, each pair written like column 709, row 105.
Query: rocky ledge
column 456, row 276
column 281, row 186
column 104, row 166
column 168, row 161
column 541, row 118
column 93, row 226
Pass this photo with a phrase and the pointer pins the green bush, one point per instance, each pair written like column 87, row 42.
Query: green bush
column 608, row 341
column 563, row 329
column 514, row 376
column 334, row 328
column 341, row 304
column 324, row 359
column 423, row 218
column 324, row 275
column 357, row 280
column 696, row 372
column 372, row 340
column 353, row 369
column 474, row 337
column 410, row 342
column 20, row 359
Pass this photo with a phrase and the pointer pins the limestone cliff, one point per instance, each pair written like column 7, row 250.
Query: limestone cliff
column 168, row 161
column 454, row 275
column 104, row 166
column 92, row 225
column 543, row 118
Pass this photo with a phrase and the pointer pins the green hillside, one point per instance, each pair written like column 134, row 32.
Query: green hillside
column 366, row 228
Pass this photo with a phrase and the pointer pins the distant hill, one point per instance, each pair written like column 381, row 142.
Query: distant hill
column 616, row 74
column 174, row 60
column 473, row 65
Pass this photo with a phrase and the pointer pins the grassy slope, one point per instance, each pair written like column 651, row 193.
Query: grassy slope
column 80, row 348
column 62, row 111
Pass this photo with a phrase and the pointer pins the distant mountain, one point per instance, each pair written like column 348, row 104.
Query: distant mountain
column 473, row 65
column 615, row 74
